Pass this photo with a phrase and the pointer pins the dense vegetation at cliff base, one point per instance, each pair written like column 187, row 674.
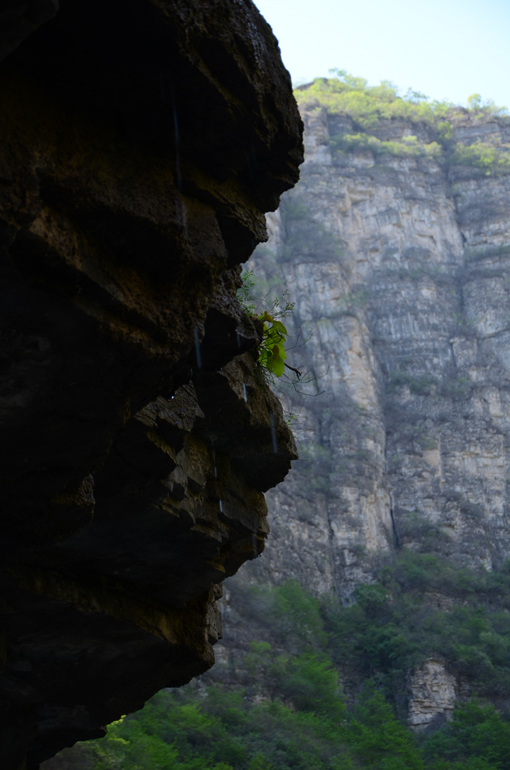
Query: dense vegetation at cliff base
column 222, row 731
column 285, row 706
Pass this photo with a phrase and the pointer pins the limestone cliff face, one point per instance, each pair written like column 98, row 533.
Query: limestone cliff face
column 400, row 271
column 141, row 144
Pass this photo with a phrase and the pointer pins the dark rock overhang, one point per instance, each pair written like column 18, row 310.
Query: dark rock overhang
column 141, row 143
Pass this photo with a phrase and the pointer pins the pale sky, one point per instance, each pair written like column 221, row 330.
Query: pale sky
column 447, row 49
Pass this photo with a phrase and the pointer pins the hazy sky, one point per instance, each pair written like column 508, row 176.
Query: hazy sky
column 447, row 49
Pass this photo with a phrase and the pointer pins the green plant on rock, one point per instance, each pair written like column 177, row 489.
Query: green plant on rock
column 488, row 158
column 477, row 105
column 245, row 293
column 407, row 146
column 272, row 355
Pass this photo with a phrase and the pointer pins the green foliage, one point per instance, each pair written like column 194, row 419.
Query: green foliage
column 477, row 105
column 490, row 159
column 127, row 742
column 474, row 102
column 477, row 737
column 306, row 238
column 369, row 106
column 415, row 526
column 140, row 742
column 291, row 614
column 392, row 627
column 272, row 355
column 378, row 740
column 487, row 252
column 311, row 681
column 223, row 731
column 457, row 388
column 306, row 724
column 407, row 146
column 422, row 385
column 245, row 293
column 272, row 347
column 445, row 130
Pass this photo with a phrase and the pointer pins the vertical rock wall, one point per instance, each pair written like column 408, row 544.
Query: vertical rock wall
column 400, row 269
column 399, row 264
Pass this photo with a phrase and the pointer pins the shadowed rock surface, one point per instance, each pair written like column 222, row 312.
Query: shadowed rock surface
column 142, row 143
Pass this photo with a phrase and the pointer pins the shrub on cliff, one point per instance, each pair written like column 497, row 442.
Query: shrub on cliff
column 273, row 336
column 394, row 625
column 477, row 738
column 368, row 107
column 378, row 740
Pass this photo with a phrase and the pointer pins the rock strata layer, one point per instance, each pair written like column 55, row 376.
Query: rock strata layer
column 142, row 143
column 433, row 692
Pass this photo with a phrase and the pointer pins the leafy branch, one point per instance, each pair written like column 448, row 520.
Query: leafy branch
column 272, row 355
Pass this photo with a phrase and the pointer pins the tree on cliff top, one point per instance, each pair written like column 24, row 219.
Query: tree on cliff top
column 367, row 105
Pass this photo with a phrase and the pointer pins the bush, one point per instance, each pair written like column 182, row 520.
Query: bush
column 393, row 627
column 408, row 146
column 477, row 737
column 377, row 739
column 370, row 106
column 311, row 681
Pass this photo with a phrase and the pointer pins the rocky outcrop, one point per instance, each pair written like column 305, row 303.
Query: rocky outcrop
column 432, row 694
column 142, row 143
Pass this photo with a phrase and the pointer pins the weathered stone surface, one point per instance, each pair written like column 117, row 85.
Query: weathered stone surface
column 400, row 269
column 432, row 694
column 142, row 143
